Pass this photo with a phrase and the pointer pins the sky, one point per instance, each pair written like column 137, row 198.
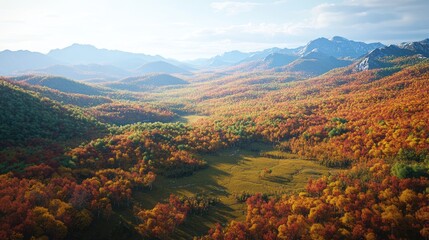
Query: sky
column 190, row 29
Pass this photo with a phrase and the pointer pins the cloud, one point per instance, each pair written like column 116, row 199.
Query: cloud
column 250, row 32
column 281, row 2
column 232, row 8
column 391, row 21
column 374, row 19
column 188, row 30
column 326, row 15
column 384, row 3
column 361, row 20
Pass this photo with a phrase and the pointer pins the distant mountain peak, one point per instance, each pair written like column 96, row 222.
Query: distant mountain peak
column 339, row 47
column 426, row 41
column 228, row 58
column 374, row 60
column 83, row 45
column 86, row 54
column 320, row 39
column 231, row 52
column 20, row 52
column 58, row 83
column 140, row 83
column 339, row 39
column 74, row 47
column 12, row 62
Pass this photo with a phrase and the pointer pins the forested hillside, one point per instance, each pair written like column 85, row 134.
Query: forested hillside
column 58, row 83
column 27, row 117
column 34, row 129
column 227, row 155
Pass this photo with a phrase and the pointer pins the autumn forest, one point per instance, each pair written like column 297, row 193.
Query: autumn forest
column 318, row 142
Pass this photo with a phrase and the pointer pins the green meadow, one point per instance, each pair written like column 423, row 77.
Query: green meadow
column 230, row 172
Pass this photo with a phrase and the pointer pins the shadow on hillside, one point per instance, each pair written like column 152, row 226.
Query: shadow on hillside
column 277, row 179
column 198, row 225
column 203, row 181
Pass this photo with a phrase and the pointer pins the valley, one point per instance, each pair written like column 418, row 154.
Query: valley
column 231, row 174
column 326, row 141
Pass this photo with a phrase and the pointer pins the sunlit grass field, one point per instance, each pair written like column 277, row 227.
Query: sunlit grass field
column 231, row 172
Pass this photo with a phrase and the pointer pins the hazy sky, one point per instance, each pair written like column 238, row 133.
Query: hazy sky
column 186, row 29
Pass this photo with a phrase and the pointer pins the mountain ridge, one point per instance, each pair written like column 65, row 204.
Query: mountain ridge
column 12, row 61
column 87, row 62
column 86, row 54
column 374, row 60
column 58, row 83
column 339, row 47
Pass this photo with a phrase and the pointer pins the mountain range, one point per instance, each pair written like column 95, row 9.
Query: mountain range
column 88, row 63
column 375, row 59
column 87, row 54
column 337, row 47
column 16, row 61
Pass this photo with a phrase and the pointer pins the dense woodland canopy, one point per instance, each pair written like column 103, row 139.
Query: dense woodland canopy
column 70, row 161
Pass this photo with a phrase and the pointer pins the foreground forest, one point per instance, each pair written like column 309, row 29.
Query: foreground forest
column 246, row 155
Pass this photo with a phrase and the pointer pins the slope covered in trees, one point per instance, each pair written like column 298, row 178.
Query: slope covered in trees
column 364, row 203
column 123, row 113
column 26, row 117
column 154, row 80
column 146, row 82
column 342, row 116
column 76, row 99
column 373, row 125
column 59, row 83
column 34, row 129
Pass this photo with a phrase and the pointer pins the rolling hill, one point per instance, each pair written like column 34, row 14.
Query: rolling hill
column 154, row 80
column 26, row 117
column 146, row 82
column 58, row 83
column 81, row 100
column 86, row 72
column 315, row 63
column 125, row 113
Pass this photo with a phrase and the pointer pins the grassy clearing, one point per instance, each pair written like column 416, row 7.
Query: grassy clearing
column 231, row 172
column 276, row 154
